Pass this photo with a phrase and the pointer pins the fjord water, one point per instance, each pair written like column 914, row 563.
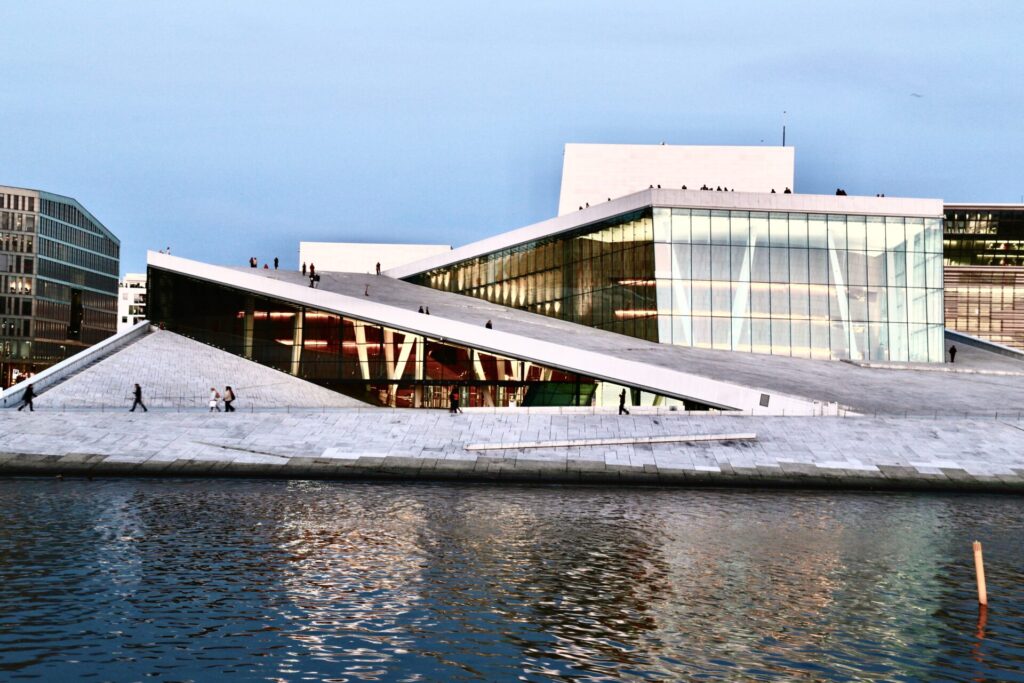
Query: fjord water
column 275, row 580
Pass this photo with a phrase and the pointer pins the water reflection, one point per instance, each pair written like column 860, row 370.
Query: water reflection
column 333, row 581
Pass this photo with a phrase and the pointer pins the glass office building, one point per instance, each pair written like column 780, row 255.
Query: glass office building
column 58, row 274
column 984, row 274
column 375, row 363
column 795, row 283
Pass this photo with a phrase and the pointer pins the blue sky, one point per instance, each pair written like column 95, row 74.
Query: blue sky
column 228, row 130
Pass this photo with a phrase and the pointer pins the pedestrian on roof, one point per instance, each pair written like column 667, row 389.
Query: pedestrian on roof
column 214, row 400
column 303, row 269
column 275, row 263
column 229, row 398
column 489, row 325
column 952, row 353
column 378, row 267
column 622, row 403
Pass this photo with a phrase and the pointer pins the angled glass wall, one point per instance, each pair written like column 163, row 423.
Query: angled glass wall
column 374, row 363
column 832, row 286
column 600, row 276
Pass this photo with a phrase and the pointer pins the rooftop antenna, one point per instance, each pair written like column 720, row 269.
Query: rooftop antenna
column 783, row 128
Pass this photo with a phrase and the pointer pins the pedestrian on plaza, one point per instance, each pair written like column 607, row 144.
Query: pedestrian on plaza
column 27, row 397
column 312, row 278
column 303, row 269
column 952, row 353
column 454, row 397
column 214, row 400
column 366, row 292
column 138, row 400
column 275, row 263
column 316, row 280
column 378, row 267
column 488, row 325
column 421, row 310
column 266, row 267
column 622, row 403
column 427, row 310
column 229, row 398
column 312, row 269
column 254, row 262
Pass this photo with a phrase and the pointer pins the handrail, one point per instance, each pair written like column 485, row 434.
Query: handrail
column 55, row 374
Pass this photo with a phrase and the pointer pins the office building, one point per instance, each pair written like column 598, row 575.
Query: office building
column 59, row 268
column 984, row 271
column 131, row 301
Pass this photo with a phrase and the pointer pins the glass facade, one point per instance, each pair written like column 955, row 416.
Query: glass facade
column 58, row 281
column 374, row 363
column 832, row 286
column 984, row 275
column 600, row 276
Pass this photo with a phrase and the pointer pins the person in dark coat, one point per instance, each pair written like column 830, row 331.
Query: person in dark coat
column 454, row 408
column 378, row 267
column 488, row 325
column 622, row 403
column 275, row 263
column 27, row 397
column 952, row 353
column 138, row 400
column 303, row 269
column 229, row 398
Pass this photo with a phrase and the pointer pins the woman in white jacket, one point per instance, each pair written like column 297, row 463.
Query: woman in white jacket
column 214, row 400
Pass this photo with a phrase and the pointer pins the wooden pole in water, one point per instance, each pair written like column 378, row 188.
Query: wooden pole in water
column 979, row 569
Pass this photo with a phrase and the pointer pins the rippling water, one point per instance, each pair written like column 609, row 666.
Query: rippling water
column 273, row 580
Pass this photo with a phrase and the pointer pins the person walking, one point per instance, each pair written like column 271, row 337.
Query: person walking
column 229, row 398
column 312, row 270
column 275, row 263
column 138, row 400
column 455, row 401
column 27, row 397
column 952, row 353
column 622, row 403
column 378, row 267
column 303, row 269
column 214, row 400
column 488, row 325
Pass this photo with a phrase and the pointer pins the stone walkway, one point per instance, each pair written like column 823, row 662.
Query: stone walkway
column 176, row 371
column 851, row 452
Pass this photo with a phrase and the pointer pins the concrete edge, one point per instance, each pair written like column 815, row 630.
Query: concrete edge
column 514, row 470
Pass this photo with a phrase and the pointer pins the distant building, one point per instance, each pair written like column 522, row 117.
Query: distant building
column 362, row 257
column 131, row 301
column 592, row 174
column 984, row 271
column 58, row 280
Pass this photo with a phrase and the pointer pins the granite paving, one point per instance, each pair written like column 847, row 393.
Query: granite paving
column 835, row 452
column 175, row 371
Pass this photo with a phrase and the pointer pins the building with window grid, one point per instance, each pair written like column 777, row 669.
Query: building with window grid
column 984, row 258
column 58, row 275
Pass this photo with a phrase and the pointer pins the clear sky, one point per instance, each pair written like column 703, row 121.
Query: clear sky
column 228, row 130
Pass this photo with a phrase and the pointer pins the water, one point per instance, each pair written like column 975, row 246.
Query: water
column 272, row 580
